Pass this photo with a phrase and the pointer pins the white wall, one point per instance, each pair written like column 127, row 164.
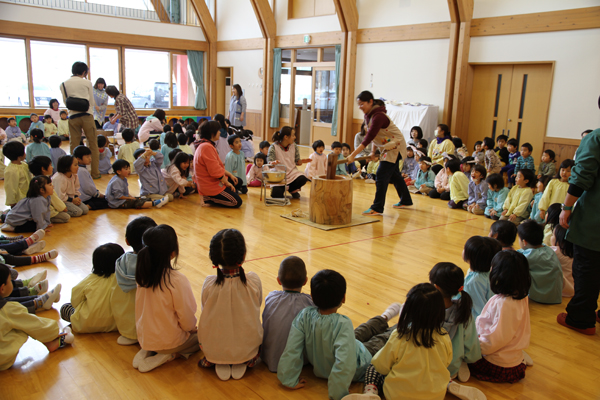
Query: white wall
column 403, row 71
column 576, row 85
column 297, row 26
column 245, row 73
column 236, row 20
column 496, row 8
column 69, row 19
column 375, row 14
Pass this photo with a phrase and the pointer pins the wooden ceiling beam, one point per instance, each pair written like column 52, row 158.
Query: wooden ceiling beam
column 160, row 11
column 206, row 22
column 265, row 17
column 348, row 14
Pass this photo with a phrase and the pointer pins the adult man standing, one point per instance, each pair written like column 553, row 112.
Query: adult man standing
column 80, row 89
column 583, row 223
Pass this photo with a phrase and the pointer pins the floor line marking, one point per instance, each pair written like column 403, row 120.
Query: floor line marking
column 360, row 240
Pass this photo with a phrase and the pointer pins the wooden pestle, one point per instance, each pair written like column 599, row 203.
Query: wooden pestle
column 333, row 162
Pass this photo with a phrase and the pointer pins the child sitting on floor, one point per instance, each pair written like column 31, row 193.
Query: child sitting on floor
column 122, row 298
column 425, row 181
column 254, row 175
column 458, row 321
column 327, row 340
column 117, row 190
column 564, row 251
column 478, row 189
column 16, row 174
column 371, row 171
column 442, row 186
column 535, row 210
column 264, row 147
column 557, row 187
column 42, row 165
column 548, row 165
column 89, row 310
column 414, row 361
column 66, row 183
column 169, row 145
column 552, row 219
column 17, row 325
column 12, row 252
column 165, row 307
column 182, row 139
column 33, row 212
column 55, row 151
column 352, row 169
column 13, row 132
column 410, row 168
column 230, row 309
column 63, row 126
column 478, row 154
column 496, row 196
column 504, row 232
column 35, row 124
column 458, row 183
column 504, row 329
column 104, row 163
column 318, row 161
column 176, row 175
column 90, row 196
column 235, row 163
column 479, row 252
column 50, row 128
column 38, row 147
column 513, row 156
column 466, row 166
column 31, row 293
column 281, row 307
column 501, row 150
column 493, row 165
column 152, row 182
column 518, row 199
column 131, row 145
column 525, row 160
column 544, row 265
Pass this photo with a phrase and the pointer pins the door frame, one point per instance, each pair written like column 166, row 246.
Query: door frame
column 469, row 92
column 221, row 86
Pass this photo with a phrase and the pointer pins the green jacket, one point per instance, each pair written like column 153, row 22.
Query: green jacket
column 585, row 220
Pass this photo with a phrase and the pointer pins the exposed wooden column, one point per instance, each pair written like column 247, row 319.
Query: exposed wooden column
column 348, row 16
column 266, row 21
column 465, row 14
column 452, row 54
column 210, row 33
column 160, row 10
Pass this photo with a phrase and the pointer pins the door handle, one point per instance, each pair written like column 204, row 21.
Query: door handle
column 508, row 133
column 503, row 131
column 509, row 120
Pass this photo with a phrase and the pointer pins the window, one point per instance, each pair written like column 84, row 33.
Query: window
column 14, row 85
column 284, row 94
column 184, row 87
column 135, row 4
column 303, row 85
column 51, row 65
column 324, row 96
column 147, row 78
column 104, row 63
column 329, row 54
column 307, row 55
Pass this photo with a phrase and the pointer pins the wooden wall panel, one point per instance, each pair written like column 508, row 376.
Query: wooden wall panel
column 317, row 39
column 254, row 123
column 242, row 44
column 434, row 30
column 564, row 148
column 564, row 20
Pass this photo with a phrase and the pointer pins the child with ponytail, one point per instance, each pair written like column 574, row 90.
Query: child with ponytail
column 165, row 307
column 33, row 212
column 458, row 321
column 230, row 330
column 478, row 253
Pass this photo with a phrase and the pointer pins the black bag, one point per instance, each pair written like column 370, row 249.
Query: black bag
column 76, row 103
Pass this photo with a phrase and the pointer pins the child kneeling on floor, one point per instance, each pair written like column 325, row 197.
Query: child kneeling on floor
column 16, row 325
column 336, row 351
column 229, row 329
column 89, row 310
column 122, row 299
column 165, row 307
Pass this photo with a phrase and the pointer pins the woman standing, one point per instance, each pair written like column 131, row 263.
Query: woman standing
column 214, row 183
column 442, row 144
column 125, row 112
column 284, row 151
column 101, row 100
column 237, row 108
column 385, row 136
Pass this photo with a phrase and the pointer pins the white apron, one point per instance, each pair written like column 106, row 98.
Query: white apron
column 390, row 134
column 287, row 158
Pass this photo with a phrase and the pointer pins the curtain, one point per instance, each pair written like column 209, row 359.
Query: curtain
column 196, row 63
column 174, row 11
column 334, row 120
column 276, row 88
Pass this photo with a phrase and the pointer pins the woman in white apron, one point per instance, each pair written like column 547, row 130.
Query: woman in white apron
column 284, row 151
column 386, row 137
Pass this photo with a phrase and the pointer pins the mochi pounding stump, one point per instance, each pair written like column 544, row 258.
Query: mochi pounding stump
column 331, row 200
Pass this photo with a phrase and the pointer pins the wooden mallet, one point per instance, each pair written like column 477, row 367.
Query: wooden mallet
column 333, row 162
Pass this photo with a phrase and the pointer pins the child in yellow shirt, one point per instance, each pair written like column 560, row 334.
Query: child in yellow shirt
column 89, row 310
column 16, row 174
column 459, row 185
column 17, row 325
column 49, row 127
column 519, row 197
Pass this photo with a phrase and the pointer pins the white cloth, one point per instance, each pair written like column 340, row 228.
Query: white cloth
column 405, row 117
column 229, row 330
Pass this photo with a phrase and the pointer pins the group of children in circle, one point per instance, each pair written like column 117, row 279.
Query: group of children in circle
column 447, row 330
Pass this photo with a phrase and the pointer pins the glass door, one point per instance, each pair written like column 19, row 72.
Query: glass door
column 324, row 95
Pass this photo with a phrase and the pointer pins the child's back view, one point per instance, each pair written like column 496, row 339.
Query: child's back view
column 89, row 310
column 126, row 151
column 281, row 307
column 16, row 174
column 479, row 252
column 544, row 265
column 229, row 330
column 122, row 298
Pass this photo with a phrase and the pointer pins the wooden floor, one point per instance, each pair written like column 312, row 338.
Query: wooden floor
column 380, row 261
